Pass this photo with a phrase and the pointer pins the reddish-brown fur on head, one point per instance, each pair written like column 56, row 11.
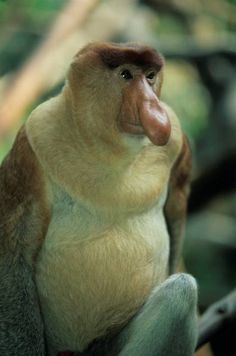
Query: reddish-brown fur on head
column 114, row 55
column 140, row 56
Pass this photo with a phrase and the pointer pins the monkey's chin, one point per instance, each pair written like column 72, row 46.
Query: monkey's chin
column 132, row 128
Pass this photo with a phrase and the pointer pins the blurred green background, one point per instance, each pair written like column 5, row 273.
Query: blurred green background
column 198, row 40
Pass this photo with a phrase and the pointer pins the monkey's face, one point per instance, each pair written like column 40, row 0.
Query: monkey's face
column 141, row 111
column 115, row 92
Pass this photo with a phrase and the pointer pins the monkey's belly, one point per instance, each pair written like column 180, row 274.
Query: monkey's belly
column 88, row 288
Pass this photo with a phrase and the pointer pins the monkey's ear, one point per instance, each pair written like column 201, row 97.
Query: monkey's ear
column 176, row 204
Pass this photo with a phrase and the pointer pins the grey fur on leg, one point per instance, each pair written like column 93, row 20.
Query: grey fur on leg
column 167, row 323
column 21, row 326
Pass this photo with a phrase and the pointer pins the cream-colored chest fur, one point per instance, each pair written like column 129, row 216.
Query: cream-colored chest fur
column 94, row 272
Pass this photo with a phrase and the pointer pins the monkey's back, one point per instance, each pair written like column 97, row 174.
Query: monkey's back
column 92, row 275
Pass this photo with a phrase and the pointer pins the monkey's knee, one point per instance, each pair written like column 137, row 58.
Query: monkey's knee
column 167, row 323
column 174, row 302
column 179, row 289
column 183, row 279
column 177, row 299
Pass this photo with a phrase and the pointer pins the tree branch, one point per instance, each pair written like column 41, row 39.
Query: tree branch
column 216, row 318
column 33, row 77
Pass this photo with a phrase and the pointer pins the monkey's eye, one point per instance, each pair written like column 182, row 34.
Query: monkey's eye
column 151, row 75
column 126, row 74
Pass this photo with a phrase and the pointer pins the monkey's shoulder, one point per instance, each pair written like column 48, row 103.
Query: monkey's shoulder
column 23, row 205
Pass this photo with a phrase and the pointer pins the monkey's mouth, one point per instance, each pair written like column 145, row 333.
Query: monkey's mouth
column 134, row 128
column 148, row 118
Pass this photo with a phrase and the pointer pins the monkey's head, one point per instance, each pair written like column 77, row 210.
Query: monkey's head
column 108, row 125
column 117, row 87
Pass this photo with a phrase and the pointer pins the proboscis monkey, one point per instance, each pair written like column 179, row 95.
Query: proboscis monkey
column 92, row 205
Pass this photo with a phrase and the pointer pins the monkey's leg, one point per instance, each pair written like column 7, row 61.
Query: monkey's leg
column 167, row 323
column 21, row 328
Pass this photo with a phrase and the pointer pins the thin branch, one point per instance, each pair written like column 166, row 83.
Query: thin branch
column 187, row 47
column 216, row 318
column 191, row 9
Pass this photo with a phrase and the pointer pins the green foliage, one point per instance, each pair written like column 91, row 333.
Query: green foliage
column 169, row 24
column 15, row 51
column 38, row 5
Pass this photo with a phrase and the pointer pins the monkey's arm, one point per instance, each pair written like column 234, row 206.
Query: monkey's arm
column 176, row 204
column 24, row 216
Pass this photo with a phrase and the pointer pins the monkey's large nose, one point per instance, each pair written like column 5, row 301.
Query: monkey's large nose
column 153, row 117
column 155, row 122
